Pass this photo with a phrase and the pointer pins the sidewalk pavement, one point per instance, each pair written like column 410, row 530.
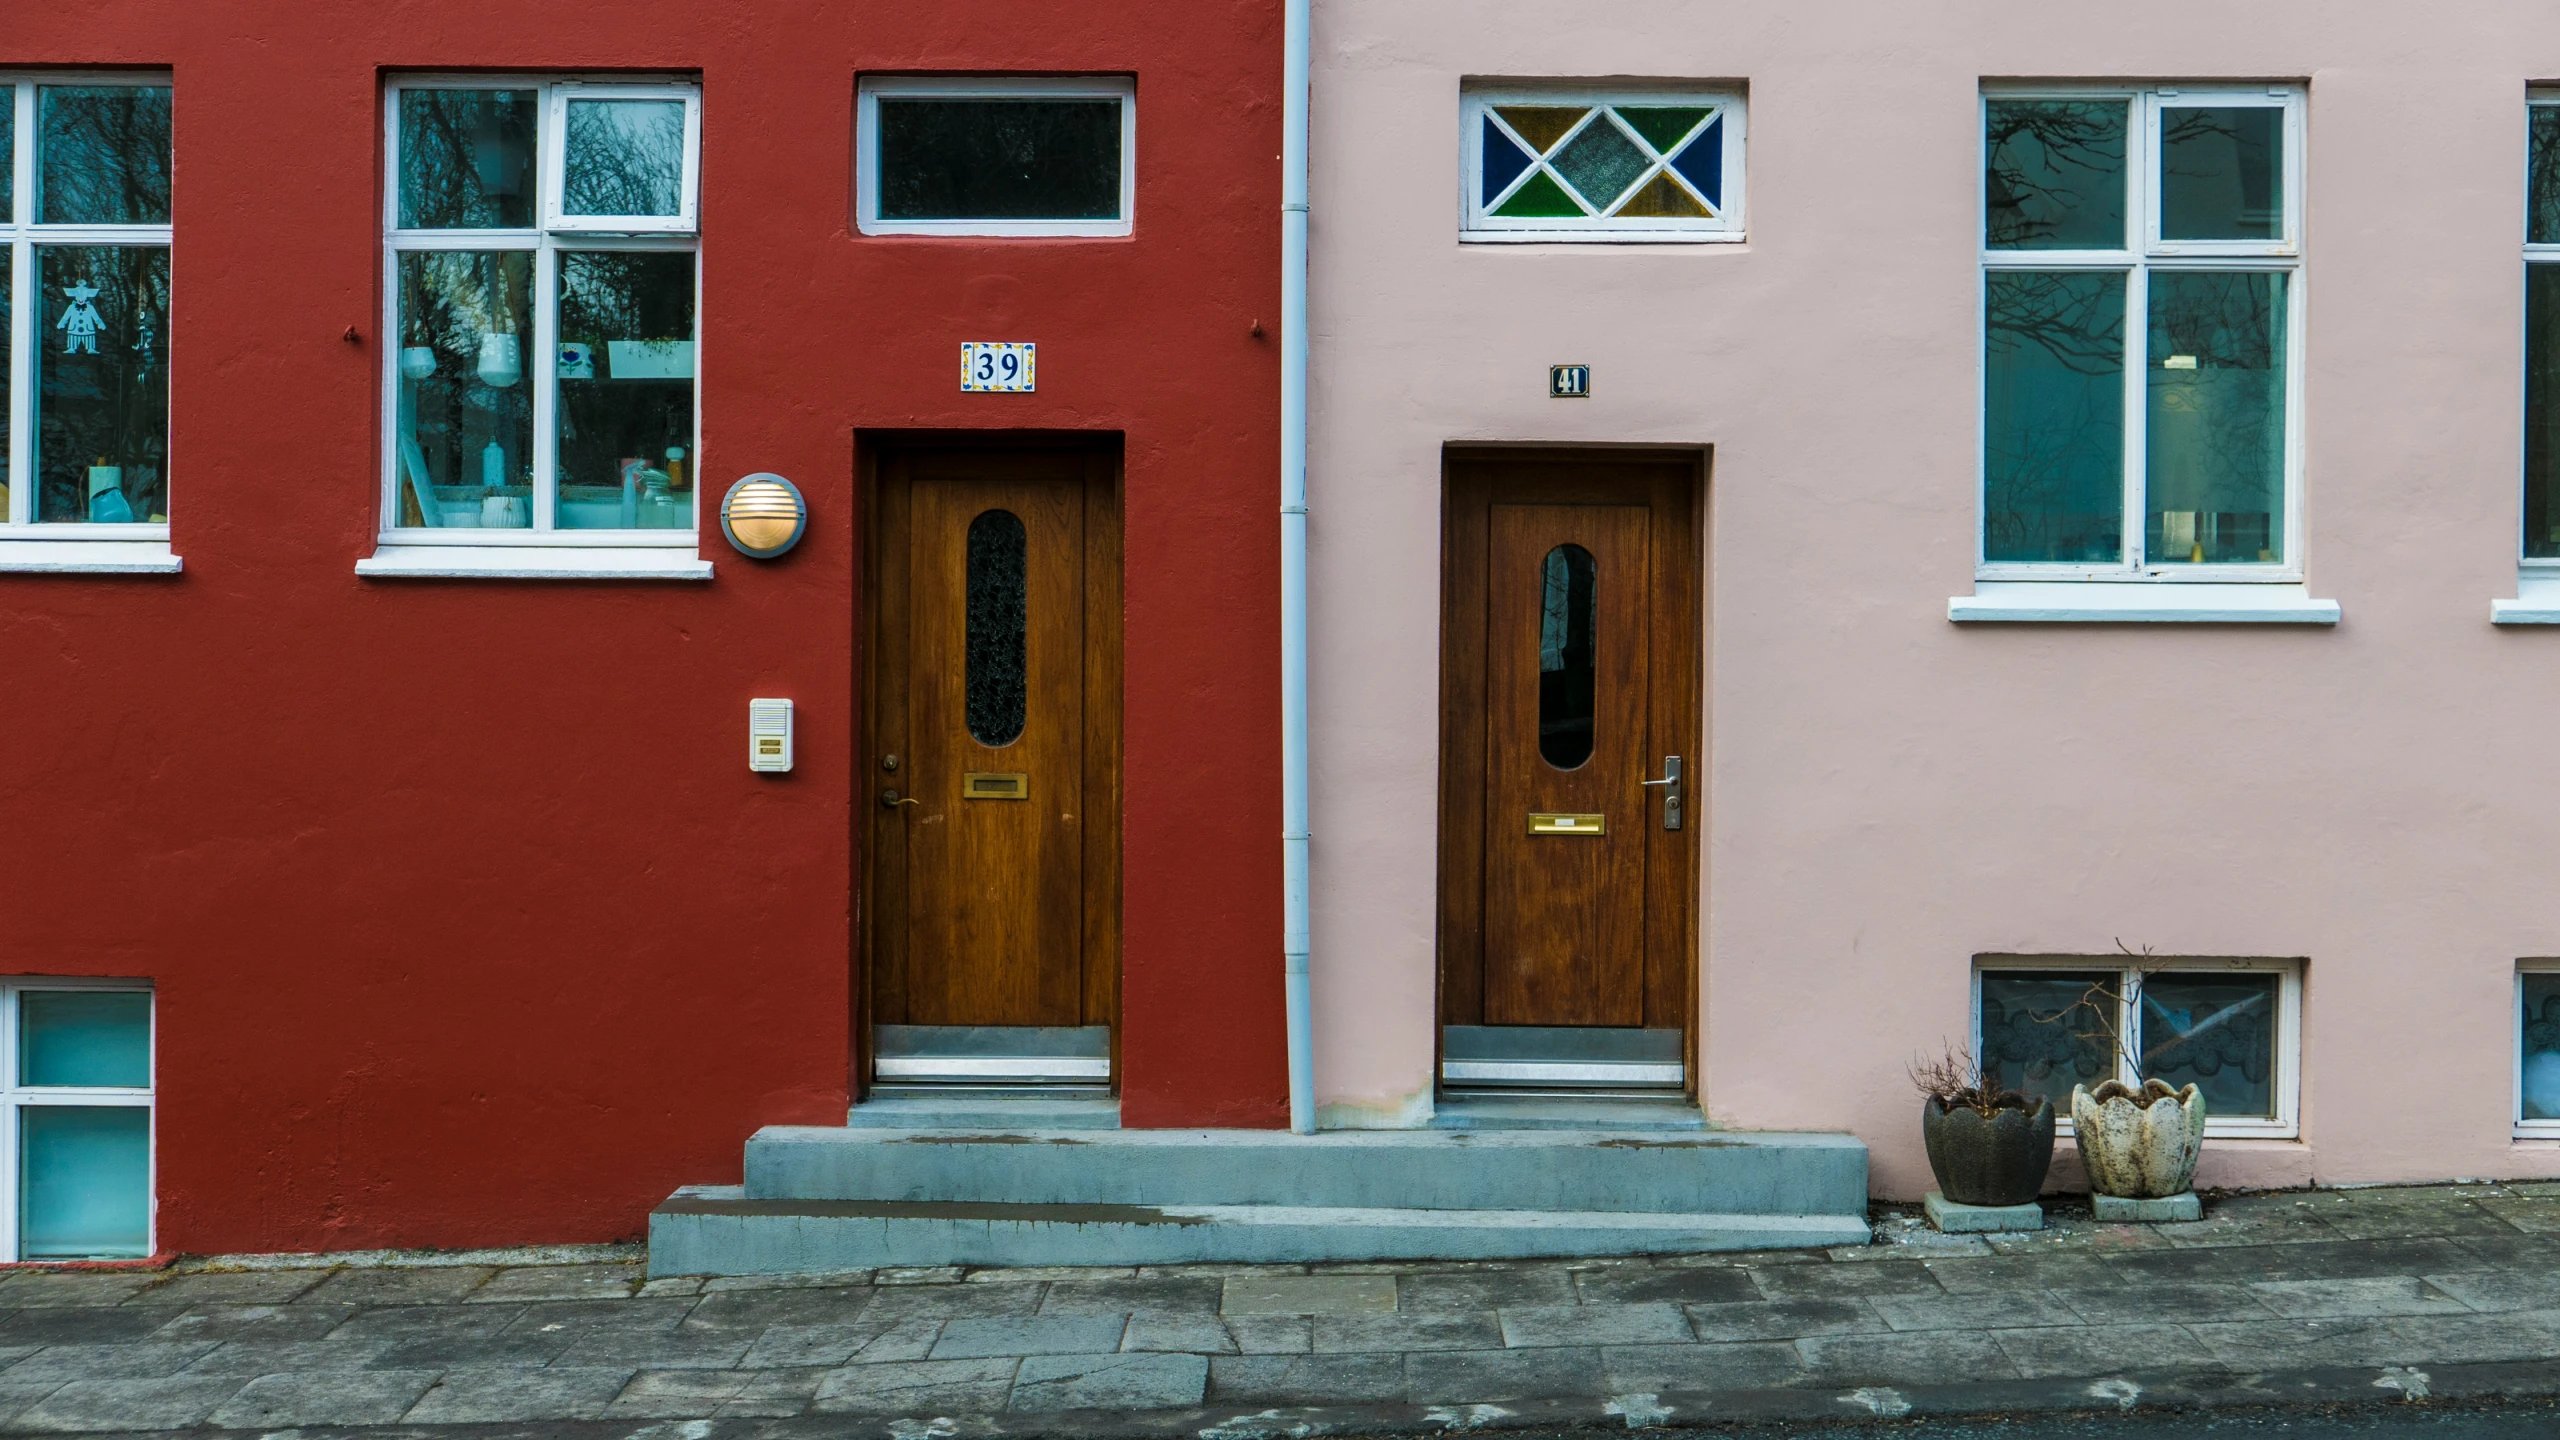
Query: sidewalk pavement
column 2385, row 1295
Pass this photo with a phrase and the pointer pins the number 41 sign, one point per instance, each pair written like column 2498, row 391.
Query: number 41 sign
column 996, row 365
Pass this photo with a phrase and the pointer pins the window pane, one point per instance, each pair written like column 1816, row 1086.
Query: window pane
column 2542, row 1046
column 1567, row 640
column 2216, row 437
column 102, row 383
column 2221, row 172
column 1601, row 162
column 84, row 1181
column 2042, row 1032
column 8, row 328
column 2542, row 411
column 8, row 156
column 998, row 627
column 2053, row 416
column 2217, row 1033
column 626, row 390
column 2055, row 176
column 466, row 159
column 625, row 157
column 999, row 159
column 102, row 155
column 2542, row 184
column 465, row 423
column 84, row 1037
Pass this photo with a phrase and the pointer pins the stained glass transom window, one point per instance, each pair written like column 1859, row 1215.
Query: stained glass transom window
column 1656, row 165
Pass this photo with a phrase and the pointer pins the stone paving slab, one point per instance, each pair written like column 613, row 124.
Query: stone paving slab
column 2373, row 1295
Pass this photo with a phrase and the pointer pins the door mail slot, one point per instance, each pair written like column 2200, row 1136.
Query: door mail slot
column 1568, row 824
column 982, row 785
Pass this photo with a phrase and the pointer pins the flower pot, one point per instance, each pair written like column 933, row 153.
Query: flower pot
column 1995, row 1159
column 2138, row 1144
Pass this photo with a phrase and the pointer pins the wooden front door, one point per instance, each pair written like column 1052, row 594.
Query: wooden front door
column 994, row 748
column 1570, row 679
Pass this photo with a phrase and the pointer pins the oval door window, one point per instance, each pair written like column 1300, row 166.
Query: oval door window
column 997, row 624
column 1565, row 643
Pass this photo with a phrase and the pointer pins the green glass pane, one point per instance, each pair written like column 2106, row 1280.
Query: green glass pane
column 2541, row 1058
column 2053, row 416
column 2054, row 174
column 2042, row 1032
column 2542, row 184
column 2217, row 1033
column 1601, row 162
column 1541, row 125
column 84, row 1182
column 2221, row 172
column 84, row 1037
column 2542, row 411
column 1664, row 196
column 1541, row 196
column 1662, row 126
column 2215, row 442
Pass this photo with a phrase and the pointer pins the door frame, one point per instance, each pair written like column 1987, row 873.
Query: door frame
column 881, row 636
column 1672, row 482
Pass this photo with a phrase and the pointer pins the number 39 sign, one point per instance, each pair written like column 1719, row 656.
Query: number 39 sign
column 996, row 365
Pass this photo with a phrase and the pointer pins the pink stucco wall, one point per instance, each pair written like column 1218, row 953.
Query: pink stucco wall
column 1890, row 794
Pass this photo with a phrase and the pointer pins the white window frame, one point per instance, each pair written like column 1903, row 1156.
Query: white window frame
column 866, row 165
column 1477, row 225
column 538, row 551
column 73, row 546
column 2145, row 253
column 15, row 1097
column 2537, row 599
column 2525, row 1129
column 2286, row 1082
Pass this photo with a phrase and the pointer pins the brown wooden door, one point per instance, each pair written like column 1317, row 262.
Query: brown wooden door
column 1569, row 674
column 994, row 875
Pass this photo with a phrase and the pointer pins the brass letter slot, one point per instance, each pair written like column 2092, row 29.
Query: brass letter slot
column 1568, row 824
column 980, row 785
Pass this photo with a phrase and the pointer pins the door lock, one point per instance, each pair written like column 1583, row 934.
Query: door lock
column 1671, row 787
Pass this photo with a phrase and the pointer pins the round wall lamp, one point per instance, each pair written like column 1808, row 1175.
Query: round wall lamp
column 763, row 515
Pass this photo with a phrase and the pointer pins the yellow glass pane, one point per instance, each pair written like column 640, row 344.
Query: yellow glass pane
column 1541, row 125
column 1662, row 196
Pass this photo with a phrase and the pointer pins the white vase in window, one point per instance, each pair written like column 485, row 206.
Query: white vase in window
column 501, row 362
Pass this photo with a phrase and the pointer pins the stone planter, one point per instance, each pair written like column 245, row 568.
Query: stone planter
column 1998, row 1159
column 2138, row 1144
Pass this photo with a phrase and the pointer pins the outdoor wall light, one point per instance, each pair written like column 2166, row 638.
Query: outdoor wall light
column 763, row 515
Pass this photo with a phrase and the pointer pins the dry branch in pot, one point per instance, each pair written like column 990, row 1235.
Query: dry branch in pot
column 1987, row 1145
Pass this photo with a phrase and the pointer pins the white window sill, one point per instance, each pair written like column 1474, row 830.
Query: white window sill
column 2139, row 603
column 526, row 562
column 2537, row 601
column 88, row 557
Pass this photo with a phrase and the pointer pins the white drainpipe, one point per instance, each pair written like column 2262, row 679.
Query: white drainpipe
column 1294, row 943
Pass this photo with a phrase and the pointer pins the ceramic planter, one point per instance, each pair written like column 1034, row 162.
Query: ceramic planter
column 1995, row 1159
column 2138, row 1144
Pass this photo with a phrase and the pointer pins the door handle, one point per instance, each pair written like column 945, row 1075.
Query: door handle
column 889, row 800
column 1671, row 788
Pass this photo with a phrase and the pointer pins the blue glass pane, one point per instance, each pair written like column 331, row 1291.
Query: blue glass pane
column 2053, row 415
column 84, row 1037
column 84, row 1182
column 2542, row 1046
column 2216, row 1032
column 1701, row 162
column 1503, row 161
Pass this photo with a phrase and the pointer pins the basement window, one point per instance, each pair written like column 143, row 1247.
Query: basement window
column 997, row 157
column 77, row 1060
column 2538, row 1050
column 2230, row 1027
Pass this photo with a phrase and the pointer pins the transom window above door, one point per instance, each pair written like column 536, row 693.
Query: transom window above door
column 997, row 156
column 540, row 295
column 1564, row 164
column 2141, row 268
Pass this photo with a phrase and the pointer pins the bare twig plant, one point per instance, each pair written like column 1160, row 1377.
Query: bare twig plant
column 2105, row 1000
column 1955, row 1080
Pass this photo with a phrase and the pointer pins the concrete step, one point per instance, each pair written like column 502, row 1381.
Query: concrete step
column 1569, row 1171
column 718, row 1230
column 1566, row 1112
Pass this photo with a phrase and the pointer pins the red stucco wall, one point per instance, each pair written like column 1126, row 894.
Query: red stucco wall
column 469, row 924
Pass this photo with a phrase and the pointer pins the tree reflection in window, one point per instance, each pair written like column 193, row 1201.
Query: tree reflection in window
column 1567, row 638
column 624, row 157
column 466, row 159
column 102, row 154
column 998, row 624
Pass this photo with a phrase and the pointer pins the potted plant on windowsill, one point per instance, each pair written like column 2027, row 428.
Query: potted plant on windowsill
column 1989, row 1147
